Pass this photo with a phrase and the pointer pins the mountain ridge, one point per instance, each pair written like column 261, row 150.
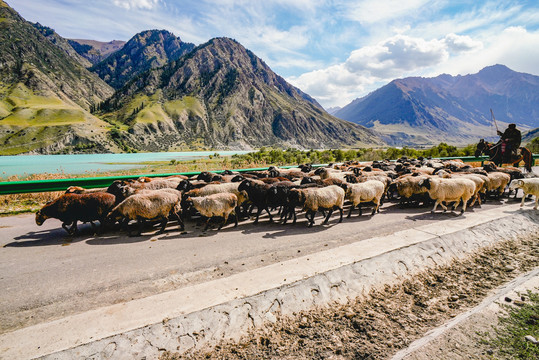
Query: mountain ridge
column 224, row 91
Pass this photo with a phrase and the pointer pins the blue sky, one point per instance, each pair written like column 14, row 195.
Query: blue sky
column 335, row 50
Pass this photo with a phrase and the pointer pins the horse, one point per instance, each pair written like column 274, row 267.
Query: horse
column 494, row 152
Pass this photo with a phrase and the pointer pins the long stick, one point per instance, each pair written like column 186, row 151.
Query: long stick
column 491, row 113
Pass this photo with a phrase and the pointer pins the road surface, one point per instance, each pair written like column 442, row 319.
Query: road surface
column 46, row 274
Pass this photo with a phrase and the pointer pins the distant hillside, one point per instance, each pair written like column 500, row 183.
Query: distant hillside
column 530, row 135
column 221, row 95
column 95, row 51
column 425, row 111
column 333, row 110
column 146, row 50
column 62, row 43
column 45, row 93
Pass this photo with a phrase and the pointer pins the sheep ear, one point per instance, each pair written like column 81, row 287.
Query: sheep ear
column 520, row 182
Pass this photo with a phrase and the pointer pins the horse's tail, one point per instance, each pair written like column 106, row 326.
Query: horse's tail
column 528, row 159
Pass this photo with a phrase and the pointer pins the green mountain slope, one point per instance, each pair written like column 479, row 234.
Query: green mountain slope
column 221, row 95
column 45, row 95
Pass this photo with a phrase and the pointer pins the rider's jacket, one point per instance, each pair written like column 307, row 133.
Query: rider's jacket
column 512, row 136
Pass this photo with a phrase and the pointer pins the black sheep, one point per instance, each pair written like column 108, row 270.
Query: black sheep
column 70, row 208
column 257, row 193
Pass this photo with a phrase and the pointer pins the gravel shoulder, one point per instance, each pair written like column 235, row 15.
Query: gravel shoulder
column 391, row 317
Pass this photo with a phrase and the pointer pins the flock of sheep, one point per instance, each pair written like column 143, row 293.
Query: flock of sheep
column 219, row 196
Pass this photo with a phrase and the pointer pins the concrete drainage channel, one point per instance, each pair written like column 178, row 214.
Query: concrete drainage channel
column 226, row 308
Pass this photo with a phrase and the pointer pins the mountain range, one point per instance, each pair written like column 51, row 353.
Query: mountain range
column 153, row 93
column 455, row 109
column 158, row 93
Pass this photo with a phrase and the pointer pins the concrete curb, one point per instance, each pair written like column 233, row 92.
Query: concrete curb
column 226, row 308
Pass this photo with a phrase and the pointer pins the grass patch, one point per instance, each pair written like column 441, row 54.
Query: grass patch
column 514, row 326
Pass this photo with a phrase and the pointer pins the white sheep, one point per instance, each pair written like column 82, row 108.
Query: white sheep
column 371, row 190
column 211, row 189
column 326, row 198
column 148, row 205
column 449, row 190
column 529, row 187
column 215, row 205
column 497, row 181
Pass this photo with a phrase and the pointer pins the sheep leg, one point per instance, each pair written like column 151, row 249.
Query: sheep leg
column 464, row 202
column 163, row 225
column 311, row 220
column 95, row 229
column 207, row 223
column 360, row 209
column 330, row 211
column 140, row 225
column 536, row 202
column 235, row 219
column 259, row 210
column 376, row 205
column 351, row 208
column 435, row 206
column 225, row 218
column 73, row 230
column 269, row 213
column 341, row 211
column 524, row 198
column 66, row 228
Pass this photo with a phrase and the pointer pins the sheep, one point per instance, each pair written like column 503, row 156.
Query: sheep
column 528, row 186
column 117, row 188
column 219, row 188
column 210, row 206
column 371, row 190
column 449, row 190
column 497, row 181
column 326, row 198
column 408, row 188
column 257, row 191
column 148, row 205
column 71, row 207
column 480, row 185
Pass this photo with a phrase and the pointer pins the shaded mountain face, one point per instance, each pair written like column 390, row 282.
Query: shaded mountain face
column 146, row 50
column 95, row 51
column 220, row 95
column 424, row 111
column 44, row 93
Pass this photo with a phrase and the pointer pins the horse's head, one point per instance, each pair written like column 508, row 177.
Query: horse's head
column 481, row 147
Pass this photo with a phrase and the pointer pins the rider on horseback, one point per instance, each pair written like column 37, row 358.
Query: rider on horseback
column 511, row 139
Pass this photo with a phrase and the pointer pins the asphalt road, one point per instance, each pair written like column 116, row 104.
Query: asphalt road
column 46, row 274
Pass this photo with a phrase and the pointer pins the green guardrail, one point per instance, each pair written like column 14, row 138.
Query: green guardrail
column 30, row 186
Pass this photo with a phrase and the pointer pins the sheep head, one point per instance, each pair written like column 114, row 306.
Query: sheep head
column 40, row 218
column 425, row 183
column 515, row 184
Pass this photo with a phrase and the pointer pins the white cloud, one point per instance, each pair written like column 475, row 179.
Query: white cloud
column 514, row 47
column 373, row 65
column 136, row 4
column 457, row 43
column 396, row 55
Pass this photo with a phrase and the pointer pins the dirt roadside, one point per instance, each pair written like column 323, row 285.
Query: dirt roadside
column 390, row 317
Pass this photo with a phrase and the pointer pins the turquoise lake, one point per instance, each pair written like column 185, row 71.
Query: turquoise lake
column 79, row 164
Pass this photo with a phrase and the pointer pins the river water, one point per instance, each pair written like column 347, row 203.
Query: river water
column 23, row 165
